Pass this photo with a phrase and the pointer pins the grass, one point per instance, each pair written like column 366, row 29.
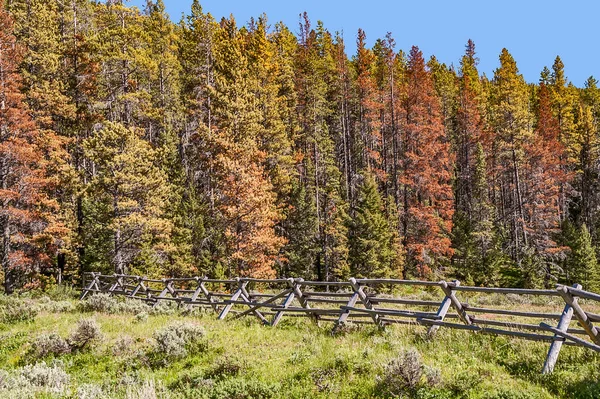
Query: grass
column 297, row 359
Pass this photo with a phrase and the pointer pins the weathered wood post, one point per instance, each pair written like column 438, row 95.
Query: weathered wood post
column 442, row 310
column 462, row 314
column 580, row 314
column 140, row 285
column 234, row 297
column 93, row 283
column 286, row 303
column 556, row 345
column 359, row 294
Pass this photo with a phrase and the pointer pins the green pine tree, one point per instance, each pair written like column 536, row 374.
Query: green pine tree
column 127, row 196
column 301, row 228
column 372, row 252
column 581, row 264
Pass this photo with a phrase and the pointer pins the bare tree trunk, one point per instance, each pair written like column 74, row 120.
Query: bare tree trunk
column 9, row 277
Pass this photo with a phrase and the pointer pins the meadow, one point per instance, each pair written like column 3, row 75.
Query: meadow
column 53, row 346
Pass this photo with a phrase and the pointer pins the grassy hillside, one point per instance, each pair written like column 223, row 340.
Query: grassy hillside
column 47, row 352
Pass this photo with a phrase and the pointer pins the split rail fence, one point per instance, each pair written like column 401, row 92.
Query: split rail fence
column 377, row 301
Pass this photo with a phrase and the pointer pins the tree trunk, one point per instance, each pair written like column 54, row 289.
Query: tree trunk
column 9, row 277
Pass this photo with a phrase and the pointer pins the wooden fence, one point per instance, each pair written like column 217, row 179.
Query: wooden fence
column 372, row 301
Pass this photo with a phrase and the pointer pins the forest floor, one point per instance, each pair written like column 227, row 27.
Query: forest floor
column 129, row 351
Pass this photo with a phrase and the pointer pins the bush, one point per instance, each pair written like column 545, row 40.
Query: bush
column 122, row 346
column 245, row 389
column 404, row 374
column 50, row 344
column 105, row 303
column 131, row 306
column 50, row 306
column 226, row 367
column 32, row 380
column 50, row 378
column 14, row 310
column 141, row 317
column 99, row 302
column 146, row 391
column 179, row 339
column 87, row 332
column 90, row 391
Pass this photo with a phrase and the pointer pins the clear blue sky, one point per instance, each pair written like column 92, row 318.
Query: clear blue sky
column 534, row 31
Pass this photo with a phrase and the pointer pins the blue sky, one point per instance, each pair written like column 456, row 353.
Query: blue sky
column 534, row 31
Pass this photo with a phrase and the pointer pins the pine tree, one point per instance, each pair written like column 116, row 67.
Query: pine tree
column 478, row 256
column 316, row 148
column 268, row 74
column 388, row 74
column 369, row 109
column 564, row 107
column 301, row 228
column 374, row 253
column 582, row 264
column 510, row 122
column 544, row 178
column 426, row 173
column 32, row 234
column 586, row 146
column 127, row 230
column 247, row 205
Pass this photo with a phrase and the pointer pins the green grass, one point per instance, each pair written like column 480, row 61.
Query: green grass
column 297, row 359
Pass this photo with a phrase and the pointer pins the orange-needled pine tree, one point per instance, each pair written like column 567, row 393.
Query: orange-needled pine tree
column 428, row 201
column 31, row 234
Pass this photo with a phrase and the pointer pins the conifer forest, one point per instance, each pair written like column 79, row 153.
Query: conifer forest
column 131, row 142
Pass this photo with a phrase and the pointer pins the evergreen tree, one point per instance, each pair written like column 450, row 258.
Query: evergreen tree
column 301, row 228
column 373, row 253
column 581, row 264
column 315, row 144
column 544, row 178
column 510, row 122
column 32, row 233
column 127, row 230
column 426, row 173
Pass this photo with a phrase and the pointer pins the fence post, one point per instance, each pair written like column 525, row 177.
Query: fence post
column 163, row 293
column 112, row 287
column 93, row 283
column 358, row 294
column 137, row 287
column 234, row 297
column 580, row 314
column 442, row 310
column 563, row 325
column 286, row 303
column 462, row 314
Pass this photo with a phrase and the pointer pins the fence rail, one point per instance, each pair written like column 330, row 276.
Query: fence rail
column 366, row 301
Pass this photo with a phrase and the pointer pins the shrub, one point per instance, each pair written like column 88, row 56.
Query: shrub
column 141, row 317
column 179, row 339
column 245, row 389
column 146, row 391
column 131, row 306
column 50, row 344
column 164, row 308
column 57, row 307
column 433, row 376
column 122, row 346
column 226, row 367
column 99, row 302
column 169, row 343
column 404, row 374
column 48, row 378
column 14, row 310
column 508, row 393
column 90, row 391
column 86, row 333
